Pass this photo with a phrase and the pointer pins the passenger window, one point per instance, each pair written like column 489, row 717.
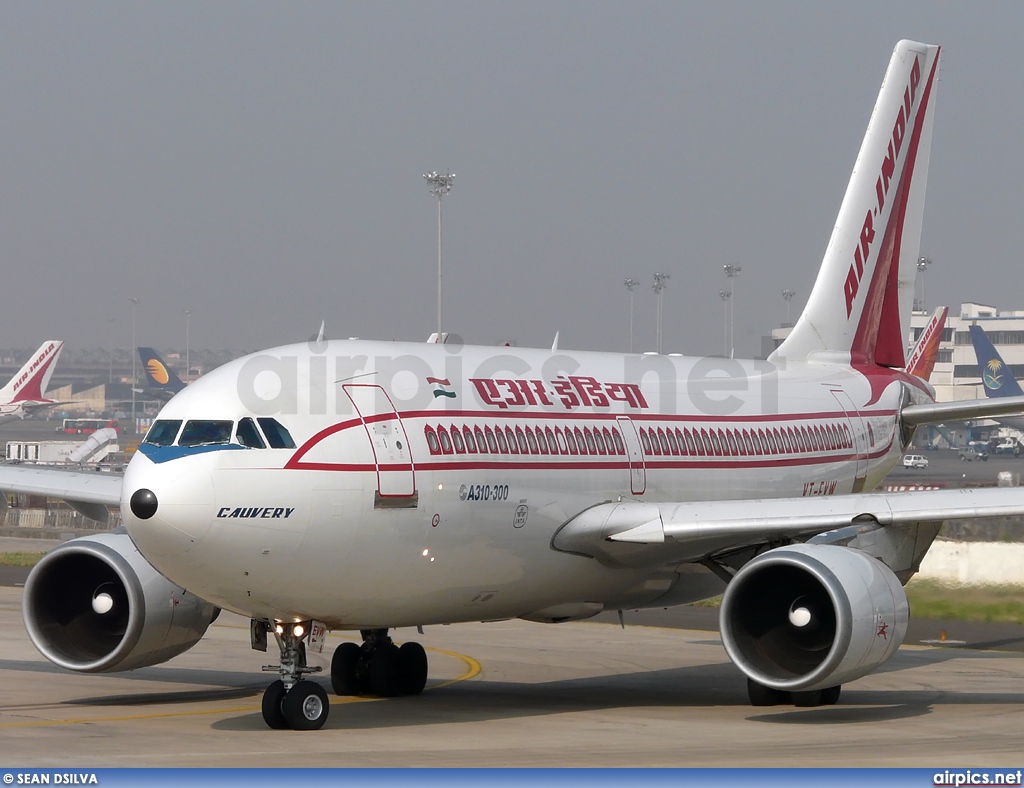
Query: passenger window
column 521, row 438
column 552, row 443
column 248, row 435
column 513, row 445
column 563, row 445
column 163, row 433
column 748, row 442
column 691, row 447
column 206, row 433
column 432, row 444
column 620, row 447
column 481, row 441
column 673, row 444
column 277, row 436
column 470, row 441
column 571, row 441
column 446, row 442
column 460, row 447
column 580, row 441
column 492, row 444
column 502, row 443
column 645, row 441
column 532, row 440
column 716, row 443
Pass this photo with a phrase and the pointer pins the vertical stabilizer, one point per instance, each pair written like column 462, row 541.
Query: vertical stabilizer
column 926, row 352
column 995, row 375
column 30, row 382
column 159, row 376
column 860, row 305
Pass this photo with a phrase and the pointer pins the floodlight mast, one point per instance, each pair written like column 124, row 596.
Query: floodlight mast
column 660, row 283
column 922, row 266
column 440, row 185
column 630, row 285
column 731, row 272
column 787, row 295
column 725, row 295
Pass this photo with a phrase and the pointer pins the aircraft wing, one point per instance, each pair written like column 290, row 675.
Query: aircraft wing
column 636, row 533
column 88, row 492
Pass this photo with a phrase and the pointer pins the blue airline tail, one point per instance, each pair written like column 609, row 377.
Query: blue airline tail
column 996, row 376
column 159, row 376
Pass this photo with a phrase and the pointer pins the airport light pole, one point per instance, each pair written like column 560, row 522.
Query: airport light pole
column 188, row 314
column 630, row 285
column 440, row 185
column 135, row 303
column 922, row 266
column 787, row 296
column 725, row 295
column 660, row 283
column 731, row 272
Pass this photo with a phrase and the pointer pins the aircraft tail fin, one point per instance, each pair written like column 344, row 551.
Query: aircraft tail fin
column 158, row 375
column 30, row 382
column 922, row 358
column 995, row 375
column 859, row 308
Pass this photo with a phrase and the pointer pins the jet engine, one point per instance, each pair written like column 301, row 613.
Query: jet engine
column 95, row 605
column 810, row 617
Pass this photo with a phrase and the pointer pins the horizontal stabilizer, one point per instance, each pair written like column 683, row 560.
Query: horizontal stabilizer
column 936, row 412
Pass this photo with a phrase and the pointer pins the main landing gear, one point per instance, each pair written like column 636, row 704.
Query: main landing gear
column 379, row 667
column 760, row 695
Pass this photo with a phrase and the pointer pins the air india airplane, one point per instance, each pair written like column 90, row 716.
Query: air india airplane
column 25, row 393
column 360, row 485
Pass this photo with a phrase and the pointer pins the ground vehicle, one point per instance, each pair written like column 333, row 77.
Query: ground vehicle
column 915, row 461
column 970, row 453
column 86, row 426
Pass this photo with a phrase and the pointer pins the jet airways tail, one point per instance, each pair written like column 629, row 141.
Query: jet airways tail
column 995, row 375
column 159, row 376
column 29, row 383
column 860, row 305
column 925, row 353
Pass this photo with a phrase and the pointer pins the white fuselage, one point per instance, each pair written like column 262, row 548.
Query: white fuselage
column 380, row 517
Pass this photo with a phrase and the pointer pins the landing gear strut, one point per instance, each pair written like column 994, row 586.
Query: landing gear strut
column 379, row 667
column 760, row 695
column 292, row 701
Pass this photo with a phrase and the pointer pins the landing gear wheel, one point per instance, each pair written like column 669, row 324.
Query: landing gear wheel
column 831, row 695
column 306, row 707
column 384, row 675
column 345, row 670
column 272, row 698
column 412, row 669
column 760, row 695
column 807, row 698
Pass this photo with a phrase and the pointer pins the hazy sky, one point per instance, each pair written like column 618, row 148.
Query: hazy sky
column 261, row 165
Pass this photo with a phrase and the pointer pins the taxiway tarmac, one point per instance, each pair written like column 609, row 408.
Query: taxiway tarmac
column 511, row 694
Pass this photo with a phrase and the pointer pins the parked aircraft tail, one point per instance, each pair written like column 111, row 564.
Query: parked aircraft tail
column 158, row 375
column 995, row 375
column 29, row 383
column 926, row 351
column 859, row 308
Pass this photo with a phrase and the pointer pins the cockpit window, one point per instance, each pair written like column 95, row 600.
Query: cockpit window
column 248, row 435
column 163, row 432
column 277, row 436
column 205, row 433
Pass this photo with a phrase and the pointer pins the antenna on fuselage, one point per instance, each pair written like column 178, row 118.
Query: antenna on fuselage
column 554, row 345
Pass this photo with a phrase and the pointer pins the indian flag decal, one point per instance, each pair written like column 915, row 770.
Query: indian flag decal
column 442, row 385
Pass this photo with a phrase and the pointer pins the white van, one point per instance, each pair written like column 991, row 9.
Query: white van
column 915, row 461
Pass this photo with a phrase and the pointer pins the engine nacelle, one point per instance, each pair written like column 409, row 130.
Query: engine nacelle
column 808, row 617
column 95, row 605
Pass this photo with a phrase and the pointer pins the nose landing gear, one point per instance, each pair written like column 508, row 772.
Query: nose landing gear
column 379, row 667
column 292, row 701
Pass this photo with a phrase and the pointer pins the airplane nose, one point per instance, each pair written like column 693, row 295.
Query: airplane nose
column 168, row 507
column 143, row 503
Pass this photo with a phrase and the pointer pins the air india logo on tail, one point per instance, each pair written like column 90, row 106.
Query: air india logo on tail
column 158, row 371
column 888, row 169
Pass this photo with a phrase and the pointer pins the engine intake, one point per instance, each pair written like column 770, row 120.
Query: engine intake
column 95, row 605
column 808, row 617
